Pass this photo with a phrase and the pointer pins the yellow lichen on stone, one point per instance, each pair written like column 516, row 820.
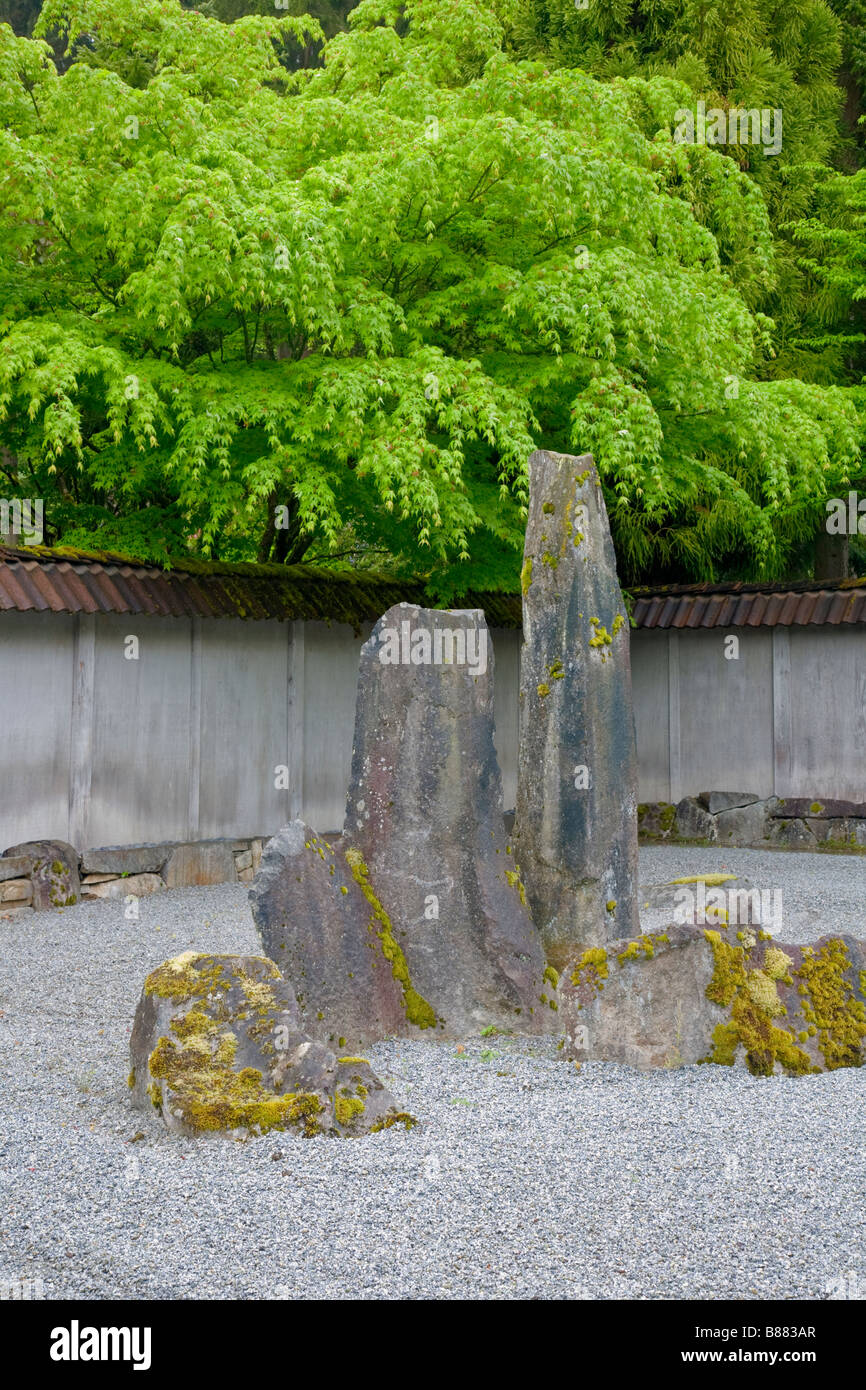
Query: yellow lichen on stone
column 830, row 1004
column 601, row 637
column 591, row 969
column 347, row 1107
column 179, row 979
column 417, row 1010
column 211, row 1096
column 753, row 1000
column 399, row 1117
column 711, row 880
column 513, row 877
column 526, row 576
column 777, row 964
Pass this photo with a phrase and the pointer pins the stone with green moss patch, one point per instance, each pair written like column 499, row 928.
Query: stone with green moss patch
column 217, row 1047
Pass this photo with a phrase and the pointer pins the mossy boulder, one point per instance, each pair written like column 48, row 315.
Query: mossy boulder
column 54, row 872
column 732, row 996
column 217, row 1046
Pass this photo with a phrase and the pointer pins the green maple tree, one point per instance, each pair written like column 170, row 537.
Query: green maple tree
column 329, row 313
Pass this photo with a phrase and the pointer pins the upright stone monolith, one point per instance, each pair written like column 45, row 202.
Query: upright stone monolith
column 576, row 826
column 413, row 922
column 424, row 822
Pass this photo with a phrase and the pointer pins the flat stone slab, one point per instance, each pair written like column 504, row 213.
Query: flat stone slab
column 576, row 826
column 685, row 995
column 54, row 872
column 16, row 866
column 135, row 885
column 725, row 801
column 217, row 1047
column 207, row 861
column 711, row 900
column 798, row 808
column 742, row 825
column 126, row 859
column 16, row 890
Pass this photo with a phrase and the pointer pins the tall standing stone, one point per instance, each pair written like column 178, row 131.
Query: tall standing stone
column 424, row 824
column 576, row 824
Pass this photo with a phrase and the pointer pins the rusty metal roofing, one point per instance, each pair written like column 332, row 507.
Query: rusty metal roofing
column 751, row 605
column 74, row 581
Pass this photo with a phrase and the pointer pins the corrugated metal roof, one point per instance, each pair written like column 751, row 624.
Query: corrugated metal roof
column 75, row 581
column 751, row 605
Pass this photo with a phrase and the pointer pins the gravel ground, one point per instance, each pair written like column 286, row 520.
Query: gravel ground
column 526, row 1178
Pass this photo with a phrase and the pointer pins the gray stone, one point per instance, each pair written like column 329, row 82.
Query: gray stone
column 798, row 808
column 217, row 1046
column 742, row 825
column 686, row 995
column 793, row 833
column 325, row 934
column 244, row 860
column 126, row 859
column 725, row 801
column 21, row 866
column 256, row 852
column 576, row 824
column 207, row 861
column 693, row 821
column 424, row 822
column 857, row 831
column 54, row 874
column 707, row 900
column 136, row 886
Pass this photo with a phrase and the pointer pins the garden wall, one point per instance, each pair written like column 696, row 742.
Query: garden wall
column 183, row 741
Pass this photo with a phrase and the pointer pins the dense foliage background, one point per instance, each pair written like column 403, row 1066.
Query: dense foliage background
column 313, row 288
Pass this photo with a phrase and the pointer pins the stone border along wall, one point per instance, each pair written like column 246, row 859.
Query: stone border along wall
column 738, row 818
column 118, row 871
column 724, row 818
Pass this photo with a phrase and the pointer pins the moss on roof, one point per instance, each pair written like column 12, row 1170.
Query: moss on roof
column 243, row 589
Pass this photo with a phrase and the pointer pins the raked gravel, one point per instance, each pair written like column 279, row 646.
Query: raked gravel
column 526, row 1179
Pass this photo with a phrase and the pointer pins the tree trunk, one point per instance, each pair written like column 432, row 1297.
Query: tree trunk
column 831, row 555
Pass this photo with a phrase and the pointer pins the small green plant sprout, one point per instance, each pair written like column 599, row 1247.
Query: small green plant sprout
column 490, row 1031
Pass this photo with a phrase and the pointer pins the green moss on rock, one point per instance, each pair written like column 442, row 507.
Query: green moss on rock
column 416, row 1008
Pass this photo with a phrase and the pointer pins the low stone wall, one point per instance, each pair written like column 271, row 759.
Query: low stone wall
column 118, row 871
column 739, row 818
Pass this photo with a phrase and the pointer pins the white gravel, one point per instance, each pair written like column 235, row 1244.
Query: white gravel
column 527, row 1179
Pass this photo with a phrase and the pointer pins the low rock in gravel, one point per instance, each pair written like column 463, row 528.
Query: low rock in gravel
column 54, row 874
column 707, row 900
column 135, row 884
column 687, row 995
column 217, row 1046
